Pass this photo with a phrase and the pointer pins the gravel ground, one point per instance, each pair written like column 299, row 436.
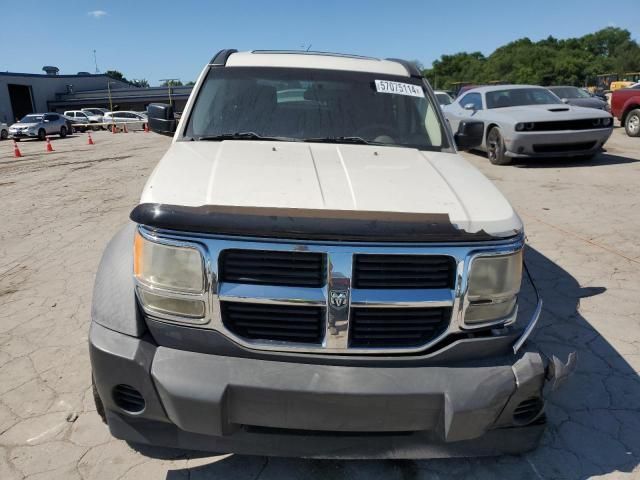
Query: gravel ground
column 58, row 210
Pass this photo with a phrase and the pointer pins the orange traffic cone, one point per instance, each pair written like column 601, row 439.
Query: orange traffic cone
column 90, row 141
column 16, row 150
column 49, row 147
column 125, row 128
column 113, row 128
column 146, row 128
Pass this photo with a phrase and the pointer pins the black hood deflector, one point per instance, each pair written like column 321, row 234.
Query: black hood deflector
column 306, row 224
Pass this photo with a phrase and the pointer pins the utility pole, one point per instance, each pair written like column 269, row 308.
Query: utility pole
column 95, row 60
column 169, row 84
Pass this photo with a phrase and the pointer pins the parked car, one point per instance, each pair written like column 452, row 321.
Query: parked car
column 134, row 120
column 39, row 125
column 443, row 98
column 325, row 277
column 625, row 106
column 530, row 121
column 4, row 131
column 95, row 113
column 577, row 96
column 80, row 120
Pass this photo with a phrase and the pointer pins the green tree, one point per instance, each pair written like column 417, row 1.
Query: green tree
column 573, row 61
column 142, row 83
column 116, row 75
column 171, row 83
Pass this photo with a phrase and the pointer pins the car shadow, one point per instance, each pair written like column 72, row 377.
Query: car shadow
column 593, row 419
column 602, row 159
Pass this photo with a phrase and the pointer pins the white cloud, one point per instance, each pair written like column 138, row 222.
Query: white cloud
column 97, row 13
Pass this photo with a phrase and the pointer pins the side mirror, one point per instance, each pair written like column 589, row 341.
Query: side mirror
column 469, row 135
column 162, row 119
column 565, row 100
column 469, row 106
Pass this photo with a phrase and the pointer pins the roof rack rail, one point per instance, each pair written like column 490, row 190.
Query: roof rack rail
column 222, row 56
column 315, row 52
column 411, row 68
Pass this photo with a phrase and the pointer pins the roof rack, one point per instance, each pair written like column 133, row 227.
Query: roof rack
column 222, row 56
column 315, row 52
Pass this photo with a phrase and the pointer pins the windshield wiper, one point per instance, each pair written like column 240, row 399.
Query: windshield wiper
column 245, row 136
column 356, row 140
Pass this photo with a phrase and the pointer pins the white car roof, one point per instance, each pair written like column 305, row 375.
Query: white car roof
column 322, row 60
column 493, row 88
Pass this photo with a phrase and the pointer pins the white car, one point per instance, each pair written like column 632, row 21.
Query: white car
column 40, row 125
column 133, row 120
column 81, row 120
column 4, row 131
column 444, row 98
column 317, row 274
column 530, row 121
column 94, row 113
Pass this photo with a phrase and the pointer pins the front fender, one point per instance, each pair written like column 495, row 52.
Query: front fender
column 114, row 303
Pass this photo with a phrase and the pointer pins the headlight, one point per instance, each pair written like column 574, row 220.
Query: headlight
column 607, row 121
column 519, row 127
column 170, row 278
column 493, row 286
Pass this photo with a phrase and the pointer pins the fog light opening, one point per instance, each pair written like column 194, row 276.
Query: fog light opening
column 128, row 399
column 528, row 410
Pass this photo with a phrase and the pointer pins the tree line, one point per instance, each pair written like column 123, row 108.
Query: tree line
column 552, row 61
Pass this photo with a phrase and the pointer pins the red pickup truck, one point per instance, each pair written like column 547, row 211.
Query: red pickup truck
column 625, row 106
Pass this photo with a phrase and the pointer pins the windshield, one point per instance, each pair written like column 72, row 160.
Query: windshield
column 92, row 111
column 315, row 105
column 443, row 98
column 31, row 119
column 520, row 96
column 570, row 92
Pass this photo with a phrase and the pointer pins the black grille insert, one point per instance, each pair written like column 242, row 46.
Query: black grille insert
column 563, row 147
column 397, row 327
column 274, row 322
column 403, row 271
column 267, row 267
column 582, row 124
column 128, row 398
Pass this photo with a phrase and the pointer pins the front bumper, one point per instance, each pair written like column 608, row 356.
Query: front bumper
column 556, row 143
column 248, row 406
column 14, row 134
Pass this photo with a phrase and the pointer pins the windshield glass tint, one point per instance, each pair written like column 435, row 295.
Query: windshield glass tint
column 570, row 92
column 520, row 96
column 313, row 104
column 443, row 98
column 31, row 119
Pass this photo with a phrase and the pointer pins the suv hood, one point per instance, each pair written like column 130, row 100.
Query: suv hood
column 331, row 177
column 24, row 125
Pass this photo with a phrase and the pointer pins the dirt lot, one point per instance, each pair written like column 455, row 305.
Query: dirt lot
column 58, row 210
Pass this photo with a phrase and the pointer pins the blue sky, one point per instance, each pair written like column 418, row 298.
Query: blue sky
column 174, row 39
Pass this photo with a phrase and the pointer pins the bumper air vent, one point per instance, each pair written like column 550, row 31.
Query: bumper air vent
column 264, row 267
column 274, row 322
column 403, row 271
column 397, row 327
column 527, row 410
column 563, row 147
column 128, row 398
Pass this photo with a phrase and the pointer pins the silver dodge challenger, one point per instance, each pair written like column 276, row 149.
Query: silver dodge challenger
column 530, row 121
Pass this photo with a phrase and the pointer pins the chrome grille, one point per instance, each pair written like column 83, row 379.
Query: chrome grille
column 403, row 271
column 397, row 327
column 292, row 316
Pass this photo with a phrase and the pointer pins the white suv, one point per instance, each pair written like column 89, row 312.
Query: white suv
column 314, row 271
